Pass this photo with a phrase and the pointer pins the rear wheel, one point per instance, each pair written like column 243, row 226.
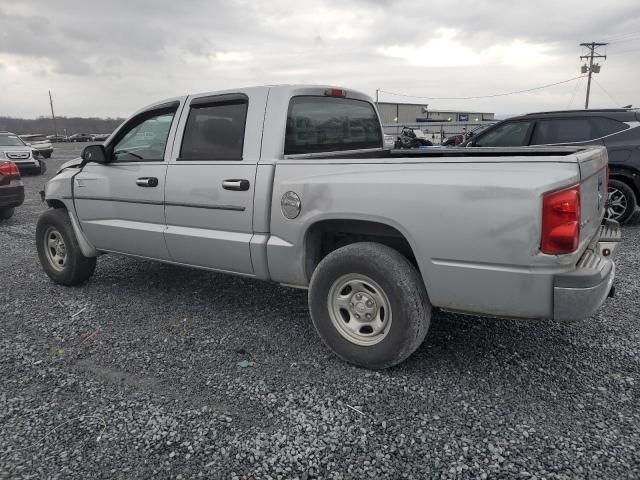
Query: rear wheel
column 369, row 305
column 58, row 249
column 6, row 213
column 621, row 201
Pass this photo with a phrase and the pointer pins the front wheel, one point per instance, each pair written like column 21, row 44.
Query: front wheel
column 6, row 213
column 621, row 201
column 58, row 249
column 369, row 305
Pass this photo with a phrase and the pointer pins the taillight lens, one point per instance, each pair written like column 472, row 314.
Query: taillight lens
column 561, row 221
column 9, row 169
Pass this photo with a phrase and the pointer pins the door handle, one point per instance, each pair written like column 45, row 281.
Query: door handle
column 147, row 182
column 237, row 185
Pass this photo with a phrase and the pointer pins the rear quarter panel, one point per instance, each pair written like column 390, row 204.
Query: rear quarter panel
column 474, row 226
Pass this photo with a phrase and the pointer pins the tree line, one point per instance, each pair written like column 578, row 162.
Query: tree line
column 44, row 125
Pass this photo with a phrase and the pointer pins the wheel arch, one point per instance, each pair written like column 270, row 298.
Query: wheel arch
column 87, row 248
column 628, row 176
column 55, row 203
column 328, row 234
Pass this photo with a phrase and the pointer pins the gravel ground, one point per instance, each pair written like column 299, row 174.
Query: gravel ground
column 136, row 375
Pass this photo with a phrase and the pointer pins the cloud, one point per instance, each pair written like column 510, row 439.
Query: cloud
column 112, row 58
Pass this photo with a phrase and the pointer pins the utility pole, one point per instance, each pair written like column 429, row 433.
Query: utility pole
column 377, row 92
column 53, row 115
column 591, row 68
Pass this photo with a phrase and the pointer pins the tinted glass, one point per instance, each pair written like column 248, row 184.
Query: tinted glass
column 10, row 141
column 607, row 126
column 563, row 130
column 326, row 124
column 145, row 140
column 36, row 138
column 510, row 134
column 215, row 132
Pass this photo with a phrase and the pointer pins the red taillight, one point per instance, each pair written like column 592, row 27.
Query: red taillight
column 9, row 169
column 561, row 221
column 335, row 92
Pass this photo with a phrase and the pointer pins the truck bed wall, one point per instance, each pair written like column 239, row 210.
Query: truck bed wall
column 474, row 227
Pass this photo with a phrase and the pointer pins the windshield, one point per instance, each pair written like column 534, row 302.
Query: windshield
column 35, row 138
column 10, row 141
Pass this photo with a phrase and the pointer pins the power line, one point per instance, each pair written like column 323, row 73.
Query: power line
column 624, row 51
column 617, row 37
column 484, row 96
column 630, row 39
column 575, row 90
column 605, row 91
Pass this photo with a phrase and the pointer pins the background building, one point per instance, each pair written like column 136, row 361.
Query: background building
column 435, row 123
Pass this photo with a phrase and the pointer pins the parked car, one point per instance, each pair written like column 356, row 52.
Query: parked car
column 14, row 149
column 11, row 189
column 100, row 137
column 273, row 183
column 80, row 137
column 40, row 143
column 56, row 138
column 616, row 129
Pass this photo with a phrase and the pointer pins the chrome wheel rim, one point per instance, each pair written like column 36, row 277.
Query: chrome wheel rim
column 55, row 249
column 359, row 309
column 616, row 203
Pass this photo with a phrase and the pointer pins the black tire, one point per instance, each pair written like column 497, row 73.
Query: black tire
column 622, row 192
column 77, row 268
column 47, row 155
column 6, row 213
column 402, row 286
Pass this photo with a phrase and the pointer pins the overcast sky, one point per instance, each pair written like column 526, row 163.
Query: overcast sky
column 109, row 58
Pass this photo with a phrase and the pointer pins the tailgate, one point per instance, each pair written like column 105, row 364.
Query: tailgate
column 593, row 190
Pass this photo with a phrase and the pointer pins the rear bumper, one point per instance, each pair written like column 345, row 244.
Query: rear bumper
column 28, row 166
column 11, row 195
column 580, row 293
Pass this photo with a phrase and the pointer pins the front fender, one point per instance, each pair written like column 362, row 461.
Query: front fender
column 58, row 193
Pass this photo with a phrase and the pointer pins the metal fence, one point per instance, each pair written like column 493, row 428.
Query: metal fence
column 437, row 132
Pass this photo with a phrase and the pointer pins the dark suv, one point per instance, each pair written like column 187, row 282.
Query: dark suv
column 617, row 129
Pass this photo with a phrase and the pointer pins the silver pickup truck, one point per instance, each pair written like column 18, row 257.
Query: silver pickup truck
column 292, row 184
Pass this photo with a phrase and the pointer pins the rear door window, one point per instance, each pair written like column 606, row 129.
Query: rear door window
column 607, row 126
column 563, row 130
column 327, row 124
column 509, row 134
column 215, row 129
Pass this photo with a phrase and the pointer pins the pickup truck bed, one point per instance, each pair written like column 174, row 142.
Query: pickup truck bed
column 291, row 184
column 473, row 222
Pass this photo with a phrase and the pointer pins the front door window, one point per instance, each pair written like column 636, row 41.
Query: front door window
column 145, row 140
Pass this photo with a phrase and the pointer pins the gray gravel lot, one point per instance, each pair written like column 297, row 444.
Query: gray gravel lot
column 135, row 375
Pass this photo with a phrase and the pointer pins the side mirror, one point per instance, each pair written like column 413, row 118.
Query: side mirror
column 94, row 153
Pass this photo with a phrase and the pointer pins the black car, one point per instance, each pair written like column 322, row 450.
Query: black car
column 617, row 129
column 11, row 189
column 81, row 137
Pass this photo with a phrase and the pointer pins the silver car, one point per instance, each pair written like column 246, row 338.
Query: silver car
column 13, row 148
